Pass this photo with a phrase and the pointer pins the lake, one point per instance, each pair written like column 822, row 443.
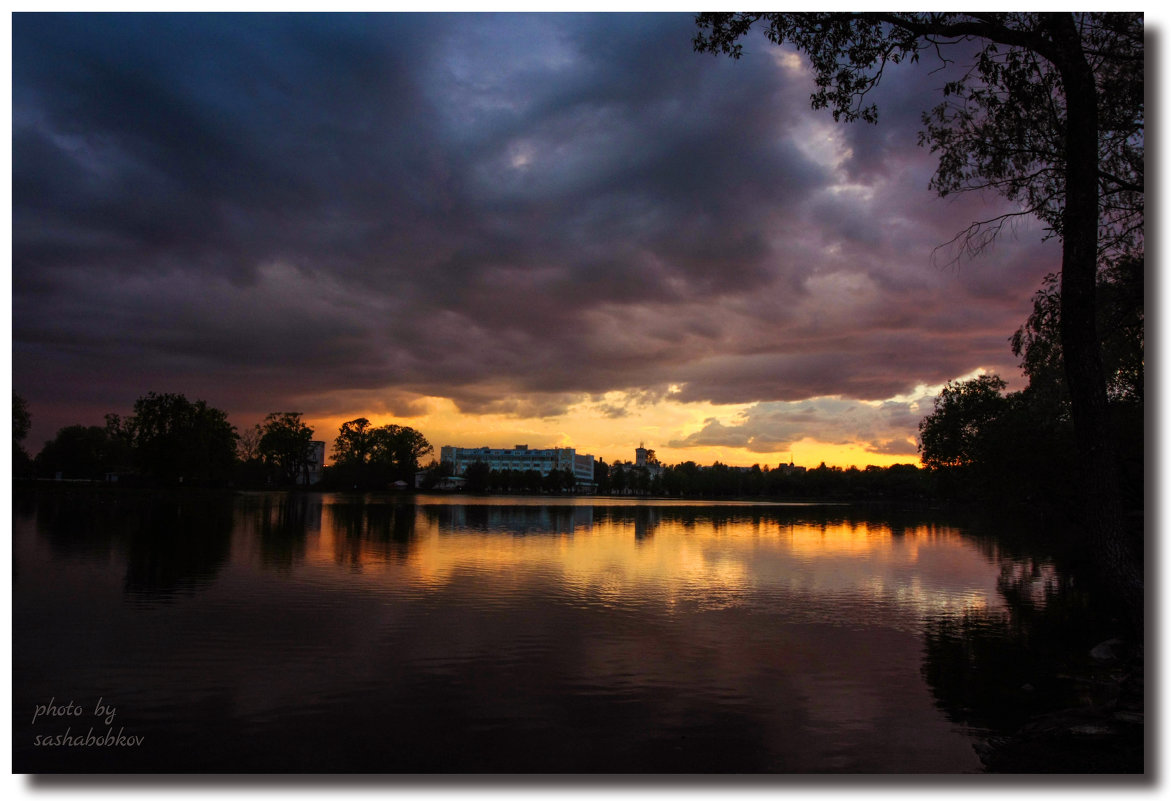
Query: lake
column 271, row 632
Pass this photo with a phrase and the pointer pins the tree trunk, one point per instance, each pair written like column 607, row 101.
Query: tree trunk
column 1121, row 565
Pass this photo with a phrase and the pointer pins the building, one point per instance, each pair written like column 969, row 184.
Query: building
column 644, row 460
column 790, row 468
column 521, row 458
column 314, row 463
column 441, row 483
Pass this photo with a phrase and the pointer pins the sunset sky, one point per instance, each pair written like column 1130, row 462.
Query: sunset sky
column 557, row 230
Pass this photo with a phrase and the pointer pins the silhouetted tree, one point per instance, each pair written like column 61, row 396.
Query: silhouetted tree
column 953, row 435
column 175, row 440
column 985, row 445
column 477, row 475
column 21, row 423
column 285, row 444
column 376, row 456
column 354, row 442
column 433, row 472
column 1051, row 115
column 78, row 452
column 400, row 447
column 618, row 479
column 1120, row 321
column 602, row 476
column 251, row 470
column 352, row 450
column 248, row 444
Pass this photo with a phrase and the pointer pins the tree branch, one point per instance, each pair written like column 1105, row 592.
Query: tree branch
column 983, row 27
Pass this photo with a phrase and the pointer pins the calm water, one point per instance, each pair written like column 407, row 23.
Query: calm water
column 265, row 632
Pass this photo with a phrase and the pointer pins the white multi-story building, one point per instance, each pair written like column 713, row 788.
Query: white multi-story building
column 522, row 458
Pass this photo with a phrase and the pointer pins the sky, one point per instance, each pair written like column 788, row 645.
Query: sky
column 552, row 229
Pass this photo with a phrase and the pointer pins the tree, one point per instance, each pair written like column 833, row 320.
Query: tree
column 400, row 448
column 1120, row 319
column 353, row 442
column 21, row 419
column 1049, row 114
column 285, row 446
column 434, row 472
column 248, row 444
column 954, row 434
column 351, row 453
column 618, row 479
column 602, row 476
column 21, row 423
column 476, row 476
column 175, row 440
column 79, row 452
column 251, row 470
column 373, row 456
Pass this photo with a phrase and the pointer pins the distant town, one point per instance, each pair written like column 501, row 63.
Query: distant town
column 522, row 468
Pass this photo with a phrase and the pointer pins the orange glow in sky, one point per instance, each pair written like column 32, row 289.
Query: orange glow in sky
column 589, row 430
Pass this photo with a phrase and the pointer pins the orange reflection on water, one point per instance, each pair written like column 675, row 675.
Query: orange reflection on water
column 593, row 557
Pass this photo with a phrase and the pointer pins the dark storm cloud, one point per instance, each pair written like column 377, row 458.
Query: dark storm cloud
column 351, row 211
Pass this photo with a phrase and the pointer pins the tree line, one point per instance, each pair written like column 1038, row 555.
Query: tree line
column 479, row 477
column 172, row 441
column 903, row 483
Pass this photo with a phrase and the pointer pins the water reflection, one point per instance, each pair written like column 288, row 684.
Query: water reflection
column 362, row 632
column 363, row 531
column 824, row 564
column 170, row 544
column 995, row 668
column 281, row 524
column 178, row 546
column 515, row 520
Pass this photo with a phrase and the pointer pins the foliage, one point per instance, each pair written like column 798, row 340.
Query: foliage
column 82, row 452
column 900, row 482
column 1120, row 321
column 955, row 433
column 984, row 445
column 285, row 447
column 1002, row 121
column 602, row 476
column 400, row 448
column 477, row 476
column 370, row 456
column 1020, row 446
column 248, row 444
column 434, row 472
column 171, row 440
column 175, row 440
column 354, row 443
column 21, row 419
column 21, row 423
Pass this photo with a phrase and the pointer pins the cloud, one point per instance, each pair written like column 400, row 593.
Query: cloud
column 514, row 212
column 773, row 427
